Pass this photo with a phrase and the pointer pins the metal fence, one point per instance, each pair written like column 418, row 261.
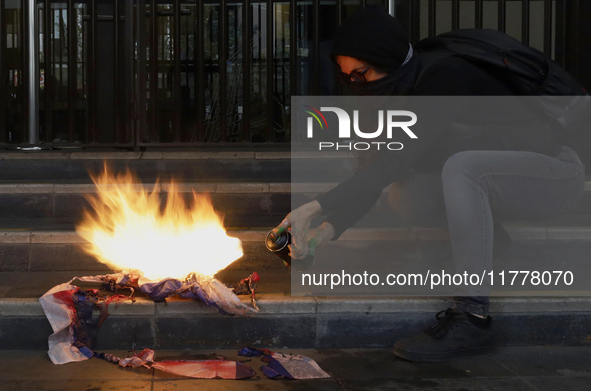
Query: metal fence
column 135, row 73
column 538, row 23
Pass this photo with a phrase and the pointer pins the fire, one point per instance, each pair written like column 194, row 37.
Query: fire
column 128, row 229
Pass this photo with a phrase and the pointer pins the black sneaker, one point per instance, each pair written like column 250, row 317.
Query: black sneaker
column 455, row 335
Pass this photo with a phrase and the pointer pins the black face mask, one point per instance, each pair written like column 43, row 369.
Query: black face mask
column 398, row 82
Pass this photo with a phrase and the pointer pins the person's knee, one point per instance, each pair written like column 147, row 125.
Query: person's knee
column 459, row 167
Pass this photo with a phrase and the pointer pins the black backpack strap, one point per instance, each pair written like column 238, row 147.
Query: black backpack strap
column 436, row 54
column 466, row 45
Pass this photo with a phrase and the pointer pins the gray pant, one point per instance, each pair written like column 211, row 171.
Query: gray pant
column 476, row 188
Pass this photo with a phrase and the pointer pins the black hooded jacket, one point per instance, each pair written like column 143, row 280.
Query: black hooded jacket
column 450, row 76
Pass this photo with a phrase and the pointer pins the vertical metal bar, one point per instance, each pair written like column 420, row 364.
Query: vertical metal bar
column 339, row 14
column 478, row 14
column 129, row 104
column 117, row 98
column 199, row 72
column 235, row 56
column 84, row 67
column 284, row 32
column 235, row 31
column 32, row 79
column 316, row 65
column 578, row 39
column 153, row 71
column 177, row 71
column 222, row 66
column 18, row 76
column 246, row 61
column 71, row 69
column 48, row 65
column 277, row 53
column 455, row 14
column 187, row 46
column 560, row 39
column 3, row 84
column 548, row 28
column 432, row 20
column 63, row 44
column 210, row 74
column 234, row 44
column 392, row 7
column 502, row 18
column 141, row 71
column 414, row 21
column 269, row 66
column 280, row 61
column 93, row 63
column 246, row 53
column 260, row 47
column 525, row 22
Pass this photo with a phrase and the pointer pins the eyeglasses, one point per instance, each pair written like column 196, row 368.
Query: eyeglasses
column 353, row 77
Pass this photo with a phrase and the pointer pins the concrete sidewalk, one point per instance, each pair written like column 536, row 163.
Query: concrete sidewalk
column 512, row 368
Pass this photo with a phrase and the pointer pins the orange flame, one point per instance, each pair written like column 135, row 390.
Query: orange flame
column 128, row 229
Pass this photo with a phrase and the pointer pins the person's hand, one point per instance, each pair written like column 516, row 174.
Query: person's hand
column 318, row 236
column 298, row 223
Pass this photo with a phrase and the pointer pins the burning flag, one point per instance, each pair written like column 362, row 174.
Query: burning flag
column 69, row 309
column 169, row 250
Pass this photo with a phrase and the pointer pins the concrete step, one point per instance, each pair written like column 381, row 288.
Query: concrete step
column 35, row 249
column 64, row 166
column 244, row 204
column 149, row 166
column 251, row 188
column 284, row 321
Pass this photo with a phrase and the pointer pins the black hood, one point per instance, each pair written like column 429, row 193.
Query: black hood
column 372, row 35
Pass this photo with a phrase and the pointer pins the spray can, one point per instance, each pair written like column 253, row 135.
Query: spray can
column 277, row 243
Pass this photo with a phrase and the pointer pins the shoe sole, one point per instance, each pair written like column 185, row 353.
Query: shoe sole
column 459, row 355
